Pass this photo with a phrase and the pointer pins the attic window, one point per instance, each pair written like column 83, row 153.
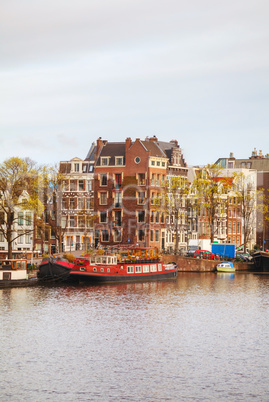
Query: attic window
column 104, row 161
column 119, row 160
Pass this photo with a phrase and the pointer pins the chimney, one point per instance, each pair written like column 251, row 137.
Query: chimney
column 128, row 143
column 99, row 146
column 153, row 139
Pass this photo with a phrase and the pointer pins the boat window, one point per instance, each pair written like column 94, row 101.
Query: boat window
column 94, row 269
column 130, row 269
column 108, row 269
column 104, row 260
column 145, row 268
column 159, row 267
column 138, row 269
column 153, row 267
column 102, row 269
column 109, row 260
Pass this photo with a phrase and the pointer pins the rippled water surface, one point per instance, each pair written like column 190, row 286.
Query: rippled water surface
column 201, row 337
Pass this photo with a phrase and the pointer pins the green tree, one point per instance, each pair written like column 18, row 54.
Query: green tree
column 246, row 193
column 209, row 191
column 174, row 202
column 18, row 192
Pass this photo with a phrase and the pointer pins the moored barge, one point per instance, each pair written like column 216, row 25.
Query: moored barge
column 13, row 273
column 139, row 265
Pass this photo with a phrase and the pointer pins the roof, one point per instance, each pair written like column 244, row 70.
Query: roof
column 111, row 150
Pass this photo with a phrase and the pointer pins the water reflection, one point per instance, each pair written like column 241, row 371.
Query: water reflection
column 202, row 337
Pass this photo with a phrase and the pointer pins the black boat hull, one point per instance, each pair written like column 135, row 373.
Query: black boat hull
column 54, row 269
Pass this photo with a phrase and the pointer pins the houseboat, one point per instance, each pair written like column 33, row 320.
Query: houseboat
column 13, row 272
column 261, row 261
column 136, row 264
column 54, row 269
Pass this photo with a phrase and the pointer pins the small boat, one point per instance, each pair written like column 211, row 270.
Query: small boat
column 54, row 269
column 225, row 266
column 13, row 273
column 137, row 264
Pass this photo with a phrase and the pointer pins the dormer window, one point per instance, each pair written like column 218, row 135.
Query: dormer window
column 76, row 167
column 119, row 160
column 104, row 161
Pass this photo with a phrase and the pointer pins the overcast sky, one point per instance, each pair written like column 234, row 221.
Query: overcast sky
column 75, row 70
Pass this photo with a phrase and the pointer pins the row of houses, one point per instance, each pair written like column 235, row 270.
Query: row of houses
column 109, row 198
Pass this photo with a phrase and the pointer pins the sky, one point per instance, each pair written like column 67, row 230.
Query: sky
column 72, row 71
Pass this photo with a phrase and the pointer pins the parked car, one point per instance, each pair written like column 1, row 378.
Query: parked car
column 206, row 255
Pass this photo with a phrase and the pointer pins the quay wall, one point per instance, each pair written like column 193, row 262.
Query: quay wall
column 188, row 264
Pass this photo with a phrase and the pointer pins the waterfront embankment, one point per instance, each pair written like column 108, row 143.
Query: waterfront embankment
column 188, row 264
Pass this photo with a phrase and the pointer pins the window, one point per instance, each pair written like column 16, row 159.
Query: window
column 152, row 179
column 103, row 179
column 234, row 227
column 76, row 166
column 145, row 268
column 64, row 222
column 21, row 238
column 28, row 238
column 153, row 267
column 141, row 235
column 117, row 235
column 138, row 269
column 81, row 185
column 72, row 203
column 28, row 218
column 117, row 218
column 158, row 163
column 229, row 228
column 158, row 180
column 72, row 221
column 103, row 216
column 81, row 221
column 20, row 218
column 2, row 239
column 157, row 218
column 152, row 235
column 238, row 227
column 141, row 179
column 89, row 203
column 119, row 160
column 141, row 216
column 103, row 198
column 105, row 235
column 89, row 185
column 84, row 168
column 118, row 180
column 64, row 203
column 104, row 161
column 73, row 185
column 163, row 164
column 162, row 217
column 157, row 235
column 141, row 197
column 130, row 269
column 152, row 217
column 118, row 199
column 80, row 203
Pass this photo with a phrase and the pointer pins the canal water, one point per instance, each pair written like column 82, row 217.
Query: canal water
column 203, row 337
